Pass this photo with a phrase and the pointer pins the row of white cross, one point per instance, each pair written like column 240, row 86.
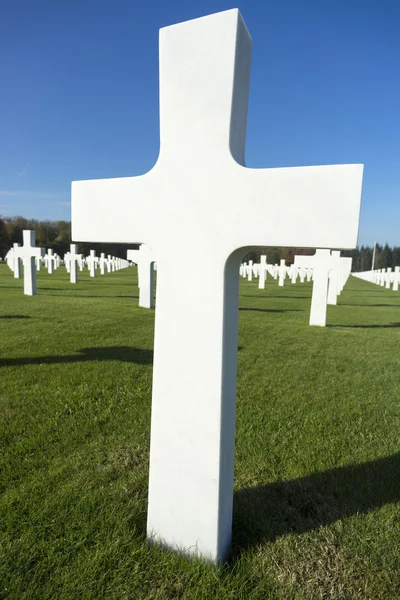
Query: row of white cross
column 328, row 270
column 388, row 278
column 31, row 258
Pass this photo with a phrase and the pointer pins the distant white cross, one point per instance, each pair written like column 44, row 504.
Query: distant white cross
column 396, row 278
column 322, row 263
column 282, row 273
column 195, row 209
column 28, row 253
column 73, row 258
column 262, row 272
column 50, row 261
column 102, row 263
column 250, row 271
column 388, row 278
column 333, row 282
column 17, row 261
column 92, row 261
column 144, row 258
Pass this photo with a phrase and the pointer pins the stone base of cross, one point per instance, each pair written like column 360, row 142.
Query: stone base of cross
column 196, row 211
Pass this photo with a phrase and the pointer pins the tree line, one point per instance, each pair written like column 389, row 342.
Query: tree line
column 57, row 236
column 51, row 234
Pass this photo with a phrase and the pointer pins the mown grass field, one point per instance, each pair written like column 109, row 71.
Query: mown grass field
column 317, row 471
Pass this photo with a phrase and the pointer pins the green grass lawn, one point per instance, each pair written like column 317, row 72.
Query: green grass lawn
column 317, row 469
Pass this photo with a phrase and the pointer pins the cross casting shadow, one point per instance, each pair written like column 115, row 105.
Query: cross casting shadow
column 15, row 317
column 389, row 325
column 121, row 353
column 267, row 512
column 271, row 310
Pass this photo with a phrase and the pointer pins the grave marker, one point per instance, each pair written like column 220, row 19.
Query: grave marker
column 200, row 190
column 28, row 253
column 144, row 258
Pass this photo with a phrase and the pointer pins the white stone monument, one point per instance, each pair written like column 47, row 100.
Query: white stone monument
column 322, row 263
column 73, row 259
column 102, row 263
column 282, row 273
column 396, row 278
column 199, row 196
column 16, row 261
column 250, row 271
column 262, row 273
column 144, row 258
column 92, row 261
column 28, row 253
column 50, row 260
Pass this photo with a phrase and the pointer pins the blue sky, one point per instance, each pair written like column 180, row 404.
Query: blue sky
column 79, row 95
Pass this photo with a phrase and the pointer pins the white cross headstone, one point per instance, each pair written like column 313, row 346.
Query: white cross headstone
column 322, row 263
column 262, row 273
column 282, row 273
column 16, row 261
column 144, row 258
column 333, row 282
column 388, row 278
column 345, row 270
column 92, row 263
column 50, row 260
column 294, row 273
column 28, row 253
column 73, row 260
column 109, row 261
column 396, row 278
column 250, row 271
column 102, row 263
column 197, row 191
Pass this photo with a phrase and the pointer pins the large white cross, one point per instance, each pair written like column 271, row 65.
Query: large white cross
column 144, row 258
column 200, row 197
column 28, row 253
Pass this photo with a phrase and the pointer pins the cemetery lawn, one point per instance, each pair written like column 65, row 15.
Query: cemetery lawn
column 317, row 468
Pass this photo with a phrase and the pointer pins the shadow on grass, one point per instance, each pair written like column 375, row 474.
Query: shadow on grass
column 15, row 317
column 372, row 305
column 83, row 295
column 272, row 297
column 386, row 326
column 271, row 310
column 267, row 512
column 121, row 353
